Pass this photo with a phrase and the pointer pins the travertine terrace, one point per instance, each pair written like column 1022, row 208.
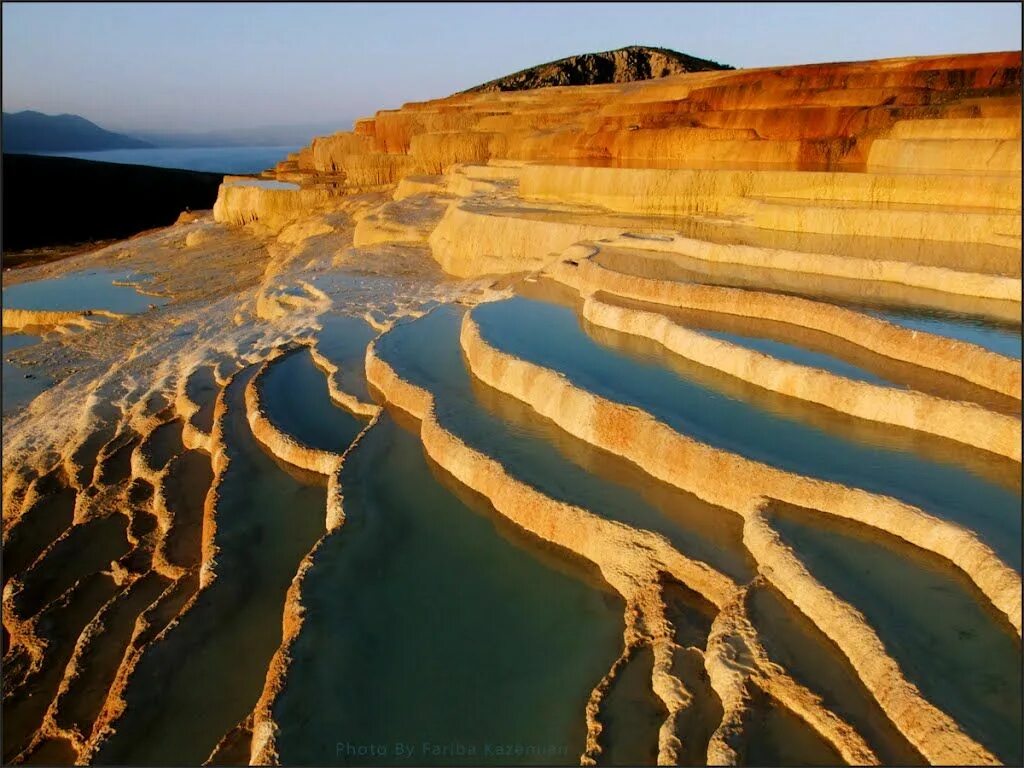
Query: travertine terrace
column 730, row 358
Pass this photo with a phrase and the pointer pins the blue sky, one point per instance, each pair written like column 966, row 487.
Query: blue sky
column 190, row 66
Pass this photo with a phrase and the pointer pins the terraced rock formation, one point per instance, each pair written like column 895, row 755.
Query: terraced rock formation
column 672, row 421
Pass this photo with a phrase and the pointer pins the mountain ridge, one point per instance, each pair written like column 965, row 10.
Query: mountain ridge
column 32, row 131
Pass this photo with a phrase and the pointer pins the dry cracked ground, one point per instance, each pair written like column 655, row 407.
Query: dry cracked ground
column 671, row 422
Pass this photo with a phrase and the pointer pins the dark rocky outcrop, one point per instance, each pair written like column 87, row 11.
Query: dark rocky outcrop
column 60, row 200
column 623, row 65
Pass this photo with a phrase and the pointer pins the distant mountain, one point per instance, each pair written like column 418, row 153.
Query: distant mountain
column 250, row 136
column 623, row 65
column 30, row 131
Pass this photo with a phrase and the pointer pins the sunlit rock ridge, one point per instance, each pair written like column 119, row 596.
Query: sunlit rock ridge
column 669, row 421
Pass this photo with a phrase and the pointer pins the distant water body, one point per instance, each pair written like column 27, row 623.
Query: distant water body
column 213, row 159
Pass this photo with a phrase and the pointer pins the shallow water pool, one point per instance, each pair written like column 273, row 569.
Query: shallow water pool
column 962, row 656
column 263, row 184
column 296, row 400
column 79, row 291
column 550, row 335
column 536, row 451
column 433, row 634
column 21, row 385
column 996, row 338
column 794, row 354
column 343, row 341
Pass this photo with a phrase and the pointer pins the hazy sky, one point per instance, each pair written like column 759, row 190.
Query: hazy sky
column 215, row 66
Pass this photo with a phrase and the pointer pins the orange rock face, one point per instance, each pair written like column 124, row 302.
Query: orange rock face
column 822, row 116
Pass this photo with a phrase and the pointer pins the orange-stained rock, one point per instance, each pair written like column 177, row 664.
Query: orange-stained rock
column 812, row 116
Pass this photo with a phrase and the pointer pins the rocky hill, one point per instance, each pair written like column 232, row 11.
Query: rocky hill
column 624, row 65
